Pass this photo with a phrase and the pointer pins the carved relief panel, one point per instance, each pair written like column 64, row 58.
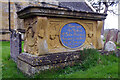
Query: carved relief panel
column 45, row 35
column 91, row 33
column 35, row 35
column 55, row 27
column 53, row 35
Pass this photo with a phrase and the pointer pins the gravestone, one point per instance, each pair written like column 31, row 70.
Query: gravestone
column 112, row 35
column 54, row 36
column 105, row 33
column 118, row 39
column 15, row 45
column 110, row 46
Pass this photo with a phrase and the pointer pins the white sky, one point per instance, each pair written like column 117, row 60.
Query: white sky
column 112, row 20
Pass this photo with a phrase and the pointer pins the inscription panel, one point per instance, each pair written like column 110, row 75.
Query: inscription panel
column 73, row 35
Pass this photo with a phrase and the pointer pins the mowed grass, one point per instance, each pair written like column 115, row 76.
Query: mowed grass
column 118, row 47
column 9, row 68
column 94, row 66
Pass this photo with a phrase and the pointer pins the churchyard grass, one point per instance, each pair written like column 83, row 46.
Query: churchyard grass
column 94, row 65
column 118, row 47
column 9, row 68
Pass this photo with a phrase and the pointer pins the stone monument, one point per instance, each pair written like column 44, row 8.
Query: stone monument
column 118, row 39
column 112, row 35
column 55, row 35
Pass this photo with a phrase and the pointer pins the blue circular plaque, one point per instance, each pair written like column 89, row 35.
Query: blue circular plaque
column 73, row 35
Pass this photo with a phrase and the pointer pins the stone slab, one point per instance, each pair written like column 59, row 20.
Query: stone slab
column 15, row 45
column 31, row 64
column 112, row 35
column 56, row 12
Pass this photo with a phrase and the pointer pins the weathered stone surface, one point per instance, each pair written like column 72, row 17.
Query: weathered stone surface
column 15, row 45
column 110, row 46
column 49, row 59
column 118, row 38
column 31, row 64
column 98, row 35
column 117, row 52
column 43, row 35
column 105, row 33
column 4, row 20
column 31, row 70
column 59, row 12
column 112, row 35
column 43, row 44
column 5, row 37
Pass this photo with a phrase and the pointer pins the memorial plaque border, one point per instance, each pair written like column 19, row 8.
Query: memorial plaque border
column 60, row 35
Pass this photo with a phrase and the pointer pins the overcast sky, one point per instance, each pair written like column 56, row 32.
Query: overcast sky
column 112, row 20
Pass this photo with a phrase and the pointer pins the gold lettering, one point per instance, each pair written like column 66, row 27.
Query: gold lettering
column 74, row 30
column 77, row 30
column 78, row 26
column 69, row 25
column 65, row 42
column 63, row 33
column 69, row 30
column 81, row 30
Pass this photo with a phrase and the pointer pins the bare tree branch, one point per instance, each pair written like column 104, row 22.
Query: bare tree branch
column 113, row 12
column 104, row 5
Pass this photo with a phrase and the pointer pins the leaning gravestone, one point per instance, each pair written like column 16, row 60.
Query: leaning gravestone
column 112, row 35
column 118, row 39
column 106, row 33
column 54, row 36
column 15, row 45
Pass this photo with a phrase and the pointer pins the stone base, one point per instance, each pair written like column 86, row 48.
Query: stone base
column 31, row 64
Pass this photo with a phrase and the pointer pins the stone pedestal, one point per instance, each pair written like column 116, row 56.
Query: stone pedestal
column 31, row 64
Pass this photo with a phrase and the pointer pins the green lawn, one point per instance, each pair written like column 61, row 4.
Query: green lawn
column 94, row 66
column 118, row 47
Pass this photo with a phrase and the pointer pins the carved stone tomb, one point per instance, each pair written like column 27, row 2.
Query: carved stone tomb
column 54, row 37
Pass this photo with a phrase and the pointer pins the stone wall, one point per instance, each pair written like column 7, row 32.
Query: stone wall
column 16, row 24
column 5, row 37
